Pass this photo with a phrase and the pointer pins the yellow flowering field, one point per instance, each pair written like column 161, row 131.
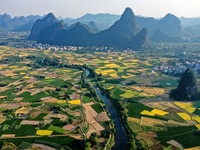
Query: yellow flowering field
column 112, row 66
column 196, row 118
column 159, row 112
column 127, row 95
column 113, row 75
column 183, row 104
column 184, row 116
column 61, row 101
column 186, row 105
column 44, row 132
column 110, row 87
column 148, row 113
column 75, row 101
column 198, row 126
column 190, row 109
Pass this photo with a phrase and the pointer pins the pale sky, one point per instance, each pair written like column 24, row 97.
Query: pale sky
column 78, row 8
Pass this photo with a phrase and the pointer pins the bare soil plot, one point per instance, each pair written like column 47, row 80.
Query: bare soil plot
column 161, row 105
column 73, row 96
column 69, row 127
column 48, row 121
column 46, row 98
column 8, row 135
column 102, row 117
column 52, row 100
column 3, row 105
column 94, row 126
column 97, row 126
column 25, row 103
column 4, row 89
column 16, row 83
column 175, row 143
column 91, row 130
column 13, row 105
column 78, row 137
column 151, row 122
column 41, row 69
column 134, row 119
column 61, row 116
column 2, row 97
column 18, row 98
column 31, row 80
column 30, row 122
column 23, row 110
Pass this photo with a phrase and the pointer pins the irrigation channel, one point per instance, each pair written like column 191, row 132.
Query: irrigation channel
column 120, row 136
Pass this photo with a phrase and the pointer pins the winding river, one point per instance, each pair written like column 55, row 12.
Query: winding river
column 120, row 136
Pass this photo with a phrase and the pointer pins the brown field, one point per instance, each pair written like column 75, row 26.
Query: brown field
column 23, row 110
column 18, row 98
column 94, row 126
column 101, row 117
column 30, row 122
column 151, row 122
column 134, row 119
column 13, row 105
column 161, row 105
column 175, row 143
column 8, row 135
column 69, row 127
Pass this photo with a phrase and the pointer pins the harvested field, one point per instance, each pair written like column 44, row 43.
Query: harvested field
column 61, row 116
column 8, row 135
column 30, row 122
column 151, row 122
column 48, row 121
column 175, row 143
column 13, row 105
column 78, row 137
column 134, row 119
column 69, row 127
column 23, row 110
column 101, row 117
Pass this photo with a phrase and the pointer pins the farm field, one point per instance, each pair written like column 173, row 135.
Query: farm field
column 47, row 100
column 43, row 101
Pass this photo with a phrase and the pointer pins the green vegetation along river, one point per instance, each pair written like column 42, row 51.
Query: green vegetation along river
column 120, row 136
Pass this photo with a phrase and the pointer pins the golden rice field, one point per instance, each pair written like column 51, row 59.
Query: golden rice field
column 75, row 101
column 44, row 132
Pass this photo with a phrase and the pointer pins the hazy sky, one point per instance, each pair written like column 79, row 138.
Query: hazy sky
column 78, row 8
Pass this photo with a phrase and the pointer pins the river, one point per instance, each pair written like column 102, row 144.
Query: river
column 120, row 136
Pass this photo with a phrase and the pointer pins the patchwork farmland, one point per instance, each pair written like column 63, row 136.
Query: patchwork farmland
column 45, row 100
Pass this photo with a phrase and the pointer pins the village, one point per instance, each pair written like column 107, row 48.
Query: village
column 179, row 68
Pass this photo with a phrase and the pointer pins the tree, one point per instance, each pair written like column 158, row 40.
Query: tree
column 187, row 88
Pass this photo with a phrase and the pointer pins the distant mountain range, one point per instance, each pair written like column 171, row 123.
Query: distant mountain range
column 124, row 33
column 17, row 23
column 169, row 25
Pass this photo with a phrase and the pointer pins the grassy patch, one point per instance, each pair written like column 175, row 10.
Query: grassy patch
column 57, row 129
column 87, row 99
column 136, row 108
column 97, row 107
